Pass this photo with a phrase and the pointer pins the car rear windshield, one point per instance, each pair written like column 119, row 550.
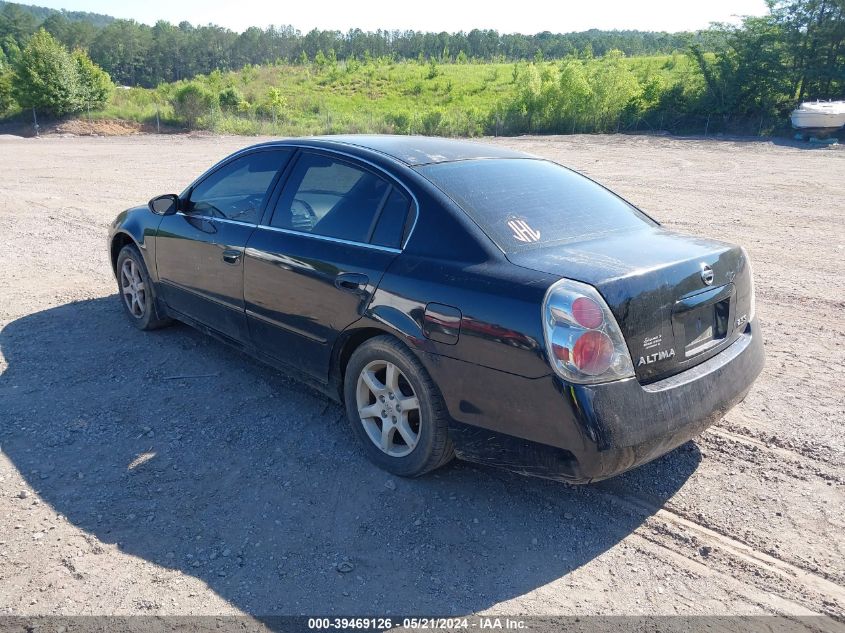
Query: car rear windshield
column 522, row 203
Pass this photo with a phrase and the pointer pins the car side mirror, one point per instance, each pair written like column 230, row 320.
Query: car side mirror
column 168, row 204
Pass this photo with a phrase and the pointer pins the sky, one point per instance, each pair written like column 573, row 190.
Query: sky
column 526, row 16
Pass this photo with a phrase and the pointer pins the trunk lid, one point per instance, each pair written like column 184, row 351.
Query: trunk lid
column 653, row 281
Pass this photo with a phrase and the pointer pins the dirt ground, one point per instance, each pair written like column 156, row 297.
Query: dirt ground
column 125, row 489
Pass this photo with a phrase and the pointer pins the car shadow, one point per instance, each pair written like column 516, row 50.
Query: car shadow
column 192, row 456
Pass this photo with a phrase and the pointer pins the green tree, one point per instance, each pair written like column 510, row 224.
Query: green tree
column 572, row 106
column 230, row 99
column 124, row 50
column 56, row 25
column 11, row 49
column 191, row 102
column 276, row 104
column 763, row 67
column 17, row 23
column 6, row 100
column 46, row 76
column 614, row 86
column 529, row 90
column 79, row 34
column 814, row 34
column 95, row 85
column 320, row 61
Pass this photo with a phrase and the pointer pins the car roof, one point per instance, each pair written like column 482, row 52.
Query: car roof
column 419, row 150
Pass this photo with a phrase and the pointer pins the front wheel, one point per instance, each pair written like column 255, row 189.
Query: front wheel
column 136, row 290
column 396, row 409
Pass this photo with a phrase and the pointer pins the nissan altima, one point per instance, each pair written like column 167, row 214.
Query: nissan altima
column 459, row 299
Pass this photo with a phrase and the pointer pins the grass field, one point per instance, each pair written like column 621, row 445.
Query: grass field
column 380, row 95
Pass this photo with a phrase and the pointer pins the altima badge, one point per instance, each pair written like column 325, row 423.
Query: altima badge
column 707, row 274
column 523, row 232
column 653, row 358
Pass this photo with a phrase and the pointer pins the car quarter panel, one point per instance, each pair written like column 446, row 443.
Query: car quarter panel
column 500, row 306
column 496, row 404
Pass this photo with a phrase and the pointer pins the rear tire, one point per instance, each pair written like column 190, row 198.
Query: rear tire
column 136, row 291
column 395, row 409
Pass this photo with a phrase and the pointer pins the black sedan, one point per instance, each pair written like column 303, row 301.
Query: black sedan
column 459, row 299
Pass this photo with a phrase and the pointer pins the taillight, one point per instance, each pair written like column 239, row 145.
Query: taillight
column 584, row 342
column 587, row 312
column 752, row 307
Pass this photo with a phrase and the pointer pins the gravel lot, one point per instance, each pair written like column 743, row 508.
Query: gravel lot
column 125, row 489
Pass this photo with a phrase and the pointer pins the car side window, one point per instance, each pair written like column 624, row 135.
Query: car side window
column 236, row 191
column 390, row 226
column 329, row 197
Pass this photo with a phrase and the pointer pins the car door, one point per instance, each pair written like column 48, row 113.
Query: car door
column 199, row 250
column 311, row 270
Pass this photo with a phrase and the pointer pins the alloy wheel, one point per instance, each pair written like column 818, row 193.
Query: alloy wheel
column 134, row 289
column 388, row 408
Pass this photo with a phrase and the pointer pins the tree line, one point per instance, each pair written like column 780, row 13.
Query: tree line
column 140, row 55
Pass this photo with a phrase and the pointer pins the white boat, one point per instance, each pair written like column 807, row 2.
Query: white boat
column 819, row 115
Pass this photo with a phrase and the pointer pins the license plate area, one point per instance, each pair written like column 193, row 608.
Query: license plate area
column 705, row 326
column 702, row 321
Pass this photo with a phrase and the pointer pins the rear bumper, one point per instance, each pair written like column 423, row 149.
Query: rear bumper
column 583, row 433
column 634, row 423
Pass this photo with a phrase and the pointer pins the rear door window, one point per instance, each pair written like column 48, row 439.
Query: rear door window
column 332, row 198
column 391, row 223
column 524, row 203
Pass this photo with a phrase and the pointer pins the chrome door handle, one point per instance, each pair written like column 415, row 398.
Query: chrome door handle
column 352, row 282
column 231, row 257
